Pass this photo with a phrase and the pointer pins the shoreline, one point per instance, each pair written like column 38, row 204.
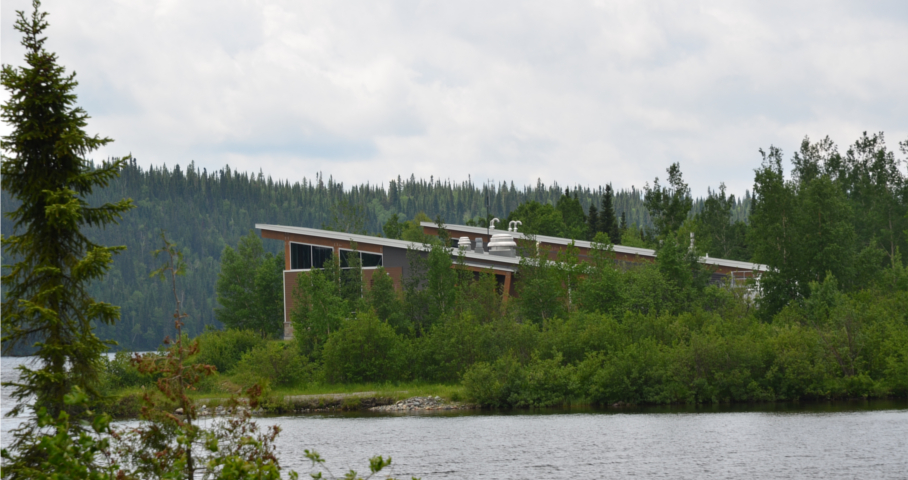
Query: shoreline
column 368, row 403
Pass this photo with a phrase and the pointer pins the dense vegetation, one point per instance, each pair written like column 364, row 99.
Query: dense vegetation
column 826, row 321
column 203, row 212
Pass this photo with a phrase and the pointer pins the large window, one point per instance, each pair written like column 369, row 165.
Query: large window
column 305, row 257
column 367, row 260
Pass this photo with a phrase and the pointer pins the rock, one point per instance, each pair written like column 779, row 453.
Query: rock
column 179, row 411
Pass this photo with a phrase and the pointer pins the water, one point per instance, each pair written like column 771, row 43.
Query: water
column 843, row 440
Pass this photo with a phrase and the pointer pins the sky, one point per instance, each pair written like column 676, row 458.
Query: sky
column 583, row 93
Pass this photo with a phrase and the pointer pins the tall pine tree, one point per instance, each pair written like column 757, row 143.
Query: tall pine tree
column 608, row 222
column 592, row 221
column 46, row 303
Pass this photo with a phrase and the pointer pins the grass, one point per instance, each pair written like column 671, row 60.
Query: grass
column 397, row 391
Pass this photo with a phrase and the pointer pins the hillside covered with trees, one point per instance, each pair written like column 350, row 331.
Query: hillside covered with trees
column 203, row 212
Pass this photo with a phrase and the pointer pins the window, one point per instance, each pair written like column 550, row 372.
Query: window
column 305, row 257
column 371, row 259
column 300, row 256
column 321, row 255
column 366, row 259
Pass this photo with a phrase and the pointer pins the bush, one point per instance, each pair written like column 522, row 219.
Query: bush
column 276, row 362
column 506, row 383
column 365, row 349
column 224, row 348
column 487, row 384
column 542, row 383
column 631, row 375
column 121, row 373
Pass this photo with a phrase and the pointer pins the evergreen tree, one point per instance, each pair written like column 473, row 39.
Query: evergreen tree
column 45, row 300
column 608, row 222
column 668, row 206
column 715, row 231
column 592, row 221
column 572, row 214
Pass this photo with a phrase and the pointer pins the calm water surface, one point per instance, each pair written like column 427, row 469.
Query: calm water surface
column 850, row 440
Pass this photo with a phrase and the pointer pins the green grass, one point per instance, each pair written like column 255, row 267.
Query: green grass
column 397, row 391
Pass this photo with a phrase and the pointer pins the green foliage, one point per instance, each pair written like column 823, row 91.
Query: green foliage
column 384, row 299
column 539, row 219
column 250, row 288
column 575, row 222
column 602, row 291
column 121, row 372
column 412, row 230
column 633, row 236
column 364, row 349
column 717, row 235
column 274, row 363
column 46, row 303
column 223, row 349
column 607, row 222
column 539, row 288
column 347, row 215
column 63, row 455
column 318, row 310
column 393, row 228
column 429, row 292
column 668, row 206
column 507, row 383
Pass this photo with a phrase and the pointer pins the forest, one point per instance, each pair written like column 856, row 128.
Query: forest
column 826, row 321
column 149, row 258
column 204, row 212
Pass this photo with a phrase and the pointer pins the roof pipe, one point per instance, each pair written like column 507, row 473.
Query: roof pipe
column 492, row 223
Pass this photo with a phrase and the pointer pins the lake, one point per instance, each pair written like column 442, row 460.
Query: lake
column 835, row 440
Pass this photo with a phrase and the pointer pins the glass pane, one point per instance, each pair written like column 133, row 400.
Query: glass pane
column 320, row 255
column 371, row 259
column 345, row 258
column 300, row 256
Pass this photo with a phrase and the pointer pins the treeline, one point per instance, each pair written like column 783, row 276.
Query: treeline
column 202, row 212
column 826, row 321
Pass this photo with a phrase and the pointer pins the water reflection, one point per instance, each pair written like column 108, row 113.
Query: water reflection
column 812, row 440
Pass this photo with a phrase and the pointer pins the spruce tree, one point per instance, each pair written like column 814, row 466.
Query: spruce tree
column 608, row 222
column 46, row 304
column 592, row 221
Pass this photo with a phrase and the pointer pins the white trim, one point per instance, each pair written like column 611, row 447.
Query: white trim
column 644, row 252
column 380, row 241
column 344, row 268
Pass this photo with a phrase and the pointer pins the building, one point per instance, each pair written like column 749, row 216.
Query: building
column 488, row 249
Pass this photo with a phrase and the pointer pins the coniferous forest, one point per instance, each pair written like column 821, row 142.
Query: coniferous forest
column 203, row 212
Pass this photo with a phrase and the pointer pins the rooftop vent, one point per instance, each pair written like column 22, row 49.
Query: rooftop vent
column 478, row 248
column 503, row 245
column 463, row 244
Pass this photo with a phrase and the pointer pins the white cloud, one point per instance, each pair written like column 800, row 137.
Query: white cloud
column 578, row 92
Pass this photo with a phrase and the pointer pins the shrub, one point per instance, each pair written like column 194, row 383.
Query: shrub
column 631, row 375
column 506, row 383
column 120, row 372
column 278, row 363
column 224, row 348
column 487, row 384
column 542, row 383
column 365, row 349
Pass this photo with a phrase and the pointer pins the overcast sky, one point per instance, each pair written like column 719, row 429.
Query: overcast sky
column 574, row 92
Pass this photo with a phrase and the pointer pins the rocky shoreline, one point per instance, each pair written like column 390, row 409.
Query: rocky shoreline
column 129, row 406
column 422, row 404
